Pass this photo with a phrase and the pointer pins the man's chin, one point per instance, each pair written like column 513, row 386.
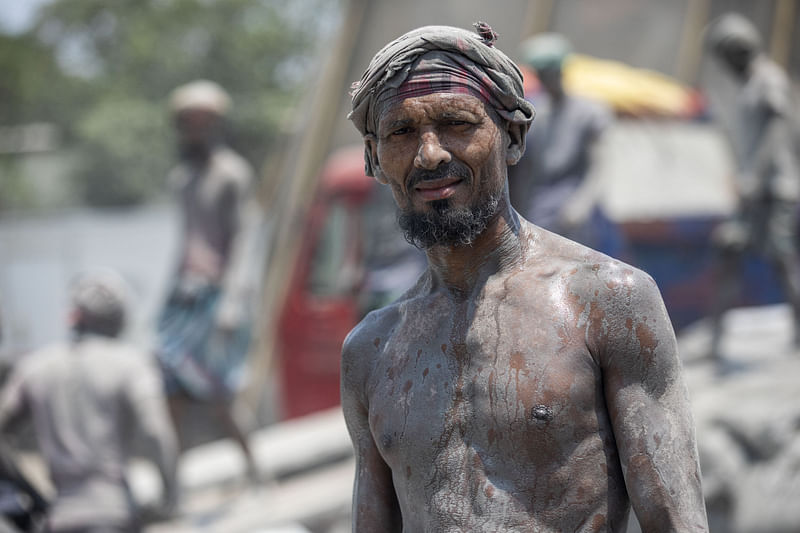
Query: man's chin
column 446, row 225
column 440, row 206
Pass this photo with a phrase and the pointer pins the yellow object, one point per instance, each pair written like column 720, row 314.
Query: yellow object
column 626, row 89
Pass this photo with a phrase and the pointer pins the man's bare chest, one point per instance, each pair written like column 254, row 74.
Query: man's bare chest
column 492, row 385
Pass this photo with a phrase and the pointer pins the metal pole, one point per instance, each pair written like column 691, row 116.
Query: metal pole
column 782, row 25
column 687, row 63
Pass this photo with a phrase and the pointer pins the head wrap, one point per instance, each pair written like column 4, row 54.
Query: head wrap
column 101, row 297
column 733, row 30
column 200, row 94
column 546, row 50
column 440, row 59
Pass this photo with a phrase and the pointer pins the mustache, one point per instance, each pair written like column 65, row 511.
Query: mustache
column 442, row 171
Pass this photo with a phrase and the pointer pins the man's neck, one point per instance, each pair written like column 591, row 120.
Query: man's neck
column 197, row 155
column 463, row 269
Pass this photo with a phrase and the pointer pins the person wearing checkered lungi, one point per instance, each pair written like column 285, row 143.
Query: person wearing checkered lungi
column 204, row 327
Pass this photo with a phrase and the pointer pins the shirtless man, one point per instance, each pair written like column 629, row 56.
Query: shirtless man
column 525, row 383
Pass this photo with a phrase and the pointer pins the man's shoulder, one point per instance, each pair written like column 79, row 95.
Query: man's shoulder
column 232, row 166
column 42, row 358
column 770, row 86
column 765, row 70
column 118, row 352
column 40, row 367
column 372, row 329
column 608, row 297
column 378, row 324
column 586, row 271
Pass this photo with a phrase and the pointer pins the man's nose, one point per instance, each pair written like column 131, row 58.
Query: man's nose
column 431, row 154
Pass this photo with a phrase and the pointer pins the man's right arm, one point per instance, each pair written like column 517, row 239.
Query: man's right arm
column 375, row 506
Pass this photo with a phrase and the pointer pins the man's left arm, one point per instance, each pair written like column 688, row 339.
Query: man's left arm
column 239, row 275
column 649, row 408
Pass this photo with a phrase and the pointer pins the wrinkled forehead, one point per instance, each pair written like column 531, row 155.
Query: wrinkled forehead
column 432, row 107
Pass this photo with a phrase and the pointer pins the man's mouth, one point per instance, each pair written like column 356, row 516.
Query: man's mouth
column 438, row 189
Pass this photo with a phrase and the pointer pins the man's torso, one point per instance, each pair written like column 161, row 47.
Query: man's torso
column 491, row 413
column 82, row 427
column 209, row 197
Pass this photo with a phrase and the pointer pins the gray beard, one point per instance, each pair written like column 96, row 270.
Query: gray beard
column 446, row 225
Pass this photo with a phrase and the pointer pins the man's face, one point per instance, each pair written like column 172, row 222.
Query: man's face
column 196, row 127
column 550, row 77
column 445, row 157
column 736, row 58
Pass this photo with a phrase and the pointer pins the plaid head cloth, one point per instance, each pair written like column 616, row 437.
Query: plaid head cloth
column 435, row 73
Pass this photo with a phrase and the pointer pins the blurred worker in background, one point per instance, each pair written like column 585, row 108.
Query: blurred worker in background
column 204, row 329
column 89, row 399
column 22, row 506
column 767, row 180
column 552, row 185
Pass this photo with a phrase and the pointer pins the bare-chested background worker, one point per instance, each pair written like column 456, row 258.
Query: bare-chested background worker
column 526, row 382
column 203, row 329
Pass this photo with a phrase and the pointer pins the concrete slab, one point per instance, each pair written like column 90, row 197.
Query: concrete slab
column 313, row 499
column 213, row 476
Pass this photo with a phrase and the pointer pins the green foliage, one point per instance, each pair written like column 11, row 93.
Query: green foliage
column 14, row 189
column 125, row 151
column 103, row 72
column 31, row 85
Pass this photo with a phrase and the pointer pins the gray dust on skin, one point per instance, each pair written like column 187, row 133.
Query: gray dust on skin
column 477, row 390
column 489, row 407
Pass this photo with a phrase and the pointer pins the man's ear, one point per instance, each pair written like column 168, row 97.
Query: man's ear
column 371, row 155
column 516, row 142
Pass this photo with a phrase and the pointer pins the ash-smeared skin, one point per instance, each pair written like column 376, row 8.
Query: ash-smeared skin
column 441, row 393
column 526, row 383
